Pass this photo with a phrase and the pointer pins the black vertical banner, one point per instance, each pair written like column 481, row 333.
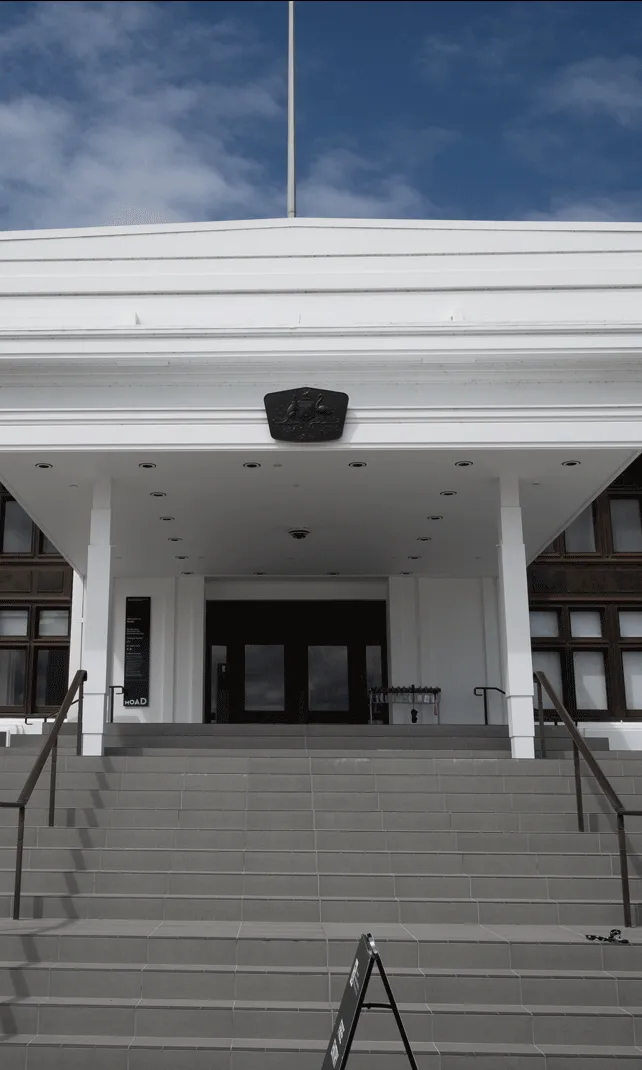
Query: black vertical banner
column 138, row 615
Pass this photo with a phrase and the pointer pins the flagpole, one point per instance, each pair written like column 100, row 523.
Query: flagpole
column 291, row 194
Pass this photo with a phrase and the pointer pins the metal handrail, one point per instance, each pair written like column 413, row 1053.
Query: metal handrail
column 49, row 747
column 580, row 746
column 480, row 692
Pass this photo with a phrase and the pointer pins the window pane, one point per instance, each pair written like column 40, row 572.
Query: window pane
column 14, row 621
column 51, row 676
column 579, row 536
column 47, row 547
column 544, row 623
column 264, row 678
column 374, row 667
column 53, row 622
column 548, row 661
column 16, row 537
column 630, row 623
column 632, row 666
column 12, row 677
column 590, row 680
column 218, row 685
column 586, row 624
column 328, row 678
column 626, row 525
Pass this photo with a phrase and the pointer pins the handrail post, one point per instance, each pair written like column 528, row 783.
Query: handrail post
column 540, row 713
column 79, row 726
column 19, row 852
column 52, row 784
column 624, row 870
column 578, row 787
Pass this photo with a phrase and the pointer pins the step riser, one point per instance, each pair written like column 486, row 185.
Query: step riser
column 302, row 820
column 366, row 912
column 303, row 1024
column 273, row 952
column 297, row 863
column 506, row 843
column 80, row 982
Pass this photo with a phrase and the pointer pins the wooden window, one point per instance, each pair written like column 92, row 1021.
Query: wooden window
column 593, row 657
column 34, row 658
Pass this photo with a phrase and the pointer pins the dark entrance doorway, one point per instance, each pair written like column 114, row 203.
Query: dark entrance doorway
column 293, row 662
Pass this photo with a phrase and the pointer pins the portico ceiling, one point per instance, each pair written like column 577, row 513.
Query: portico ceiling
column 233, row 520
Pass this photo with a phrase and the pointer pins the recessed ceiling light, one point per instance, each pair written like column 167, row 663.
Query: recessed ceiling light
column 424, row 538
column 463, row 464
column 570, row 464
column 414, row 557
column 259, row 573
column 277, row 466
column 73, row 486
column 157, row 494
column 536, row 484
column 251, row 464
column 147, row 464
column 181, row 557
column 187, row 573
column 175, row 538
column 434, row 518
column 166, row 518
column 357, row 464
column 447, row 493
column 43, row 464
column 405, row 573
column 332, row 573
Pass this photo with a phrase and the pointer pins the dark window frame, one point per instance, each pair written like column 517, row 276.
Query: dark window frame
column 610, row 643
column 32, row 643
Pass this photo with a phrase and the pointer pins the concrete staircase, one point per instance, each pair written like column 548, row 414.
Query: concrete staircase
column 199, row 902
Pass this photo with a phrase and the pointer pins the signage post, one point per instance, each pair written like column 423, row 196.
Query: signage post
column 138, row 613
column 352, row 1003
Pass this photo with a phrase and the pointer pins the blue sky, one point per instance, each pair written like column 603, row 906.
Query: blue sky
column 143, row 112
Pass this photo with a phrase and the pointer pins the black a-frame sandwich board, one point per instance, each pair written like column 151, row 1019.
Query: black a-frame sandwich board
column 353, row 1002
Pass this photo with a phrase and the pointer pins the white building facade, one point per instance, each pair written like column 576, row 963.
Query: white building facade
column 494, row 385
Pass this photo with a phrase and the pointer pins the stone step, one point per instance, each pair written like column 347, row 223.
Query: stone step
column 296, row 764
column 169, row 1053
column 303, row 1021
column 319, row 861
column 336, row 840
column 380, row 801
column 325, row 820
column 316, row 984
column 309, row 884
column 591, row 907
column 450, row 946
column 447, row 783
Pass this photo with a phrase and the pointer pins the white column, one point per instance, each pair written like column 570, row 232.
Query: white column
column 514, row 621
column 96, row 630
column 403, row 640
column 189, row 649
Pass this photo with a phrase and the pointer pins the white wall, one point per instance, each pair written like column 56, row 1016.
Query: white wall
column 163, row 595
column 444, row 633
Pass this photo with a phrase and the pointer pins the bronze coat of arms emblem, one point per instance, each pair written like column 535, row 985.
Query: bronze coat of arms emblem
column 306, row 414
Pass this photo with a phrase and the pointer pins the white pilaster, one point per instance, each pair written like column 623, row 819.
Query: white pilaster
column 514, row 621
column 189, row 649
column 75, row 631
column 96, row 623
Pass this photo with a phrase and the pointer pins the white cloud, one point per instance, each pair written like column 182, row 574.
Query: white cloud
column 127, row 127
column 346, row 184
column 606, row 209
column 598, row 86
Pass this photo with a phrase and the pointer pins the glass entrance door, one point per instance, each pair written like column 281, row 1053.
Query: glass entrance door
column 293, row 662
